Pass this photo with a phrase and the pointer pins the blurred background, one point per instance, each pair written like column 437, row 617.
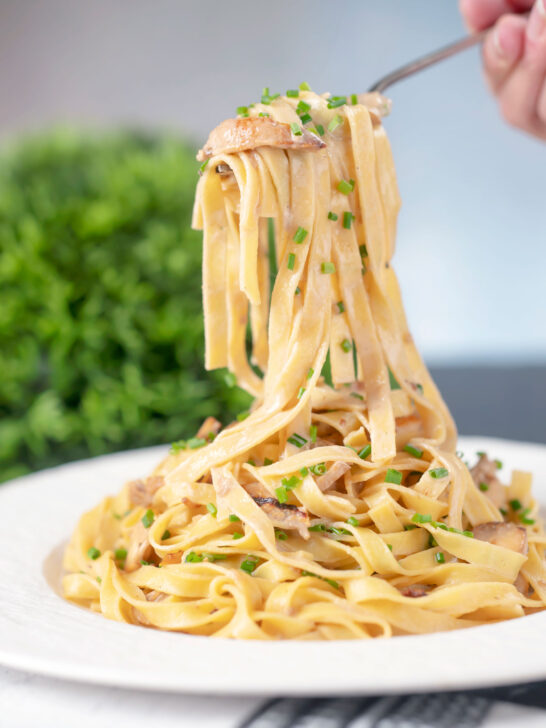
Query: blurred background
column 103, row 106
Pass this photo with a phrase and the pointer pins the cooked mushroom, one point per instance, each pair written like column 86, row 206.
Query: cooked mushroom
column 415, row 590
column 139, row 549
column 507, row 535
column 141, row 492
column 239, row 135
column 284, row 515
column 210, row 424
column 338, row 469
column 484, row 474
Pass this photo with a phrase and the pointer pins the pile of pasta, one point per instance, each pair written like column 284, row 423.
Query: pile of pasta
column 337, row 507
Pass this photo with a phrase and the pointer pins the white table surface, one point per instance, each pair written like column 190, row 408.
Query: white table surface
column 32, row 701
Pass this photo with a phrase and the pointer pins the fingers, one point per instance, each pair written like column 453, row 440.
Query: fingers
column 481, row 14
column 522, row 94
column 502, row 49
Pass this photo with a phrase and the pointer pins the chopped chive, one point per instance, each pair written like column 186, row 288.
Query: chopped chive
column 332, row 216
column 148, row 518
column 233, row 518
column 515, row 504
column 320, row 129
column 327, row 267
column 313, row 433
column 339, row 531
column 230, row 379
column 301, row 392
column 346, row 346
column 211, row 437
column 354, row 99
column 282, row 494
column 297, row 440
column 214, row 557
column 292, row 93
column 410, row 527
column 120, row 554
column 356, row 395
column 363, row 250
column 268, row 461
column 523, row 517
column 145, row 563
column 304, row 86
column 336, row 121
column 336, row 101
column 292, row 482
column 503, row 511
column 99, row 580
column 93, row 553
column 264, row 113
column 340, row 306
column 431, row 541
column 297, row 291
column 249, row 564
column 419, row 388
column 310, row 373
column 267, row 98
column 317, row 527
column 302, row 106
column 483, row 487
column 421, row 518
column 348, row 218
column 251, row 461
column 304, row 471
column 468, row 534
column 237, row 535
column 296, row 129
column 352, row 521
column 211, row 508
column 393, row 476
column 498, row 463
column 393, row 382
column 440, row 558
column 366, row 450
column 196, row 442
column 412, row 450
column 318, row 469
column 481, row 454
column 346, row 187
column 291, row 261
column 305, row 118
column 300, row 235
column 203, row 166
column 243, row 415
column 389, row 546
column 177, row 446
column 194, row 558
column 438, row 473
column 242, row 110
column 166, row 534
column 280, row 535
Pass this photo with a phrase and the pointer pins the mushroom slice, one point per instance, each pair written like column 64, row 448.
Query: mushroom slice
column 484, row 474
column 507, row 535
column 415, row 590
column 338, row 469
column 141, row 492
column 284, row 515
column 140, row 548
column 241, row 135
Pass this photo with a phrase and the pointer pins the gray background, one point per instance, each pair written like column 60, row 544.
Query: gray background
column 471, row 248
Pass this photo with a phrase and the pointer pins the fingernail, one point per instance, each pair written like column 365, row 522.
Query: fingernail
column 537, row 20
column 503, row 44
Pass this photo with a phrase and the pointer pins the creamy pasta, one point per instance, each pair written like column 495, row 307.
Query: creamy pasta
column 337, row 507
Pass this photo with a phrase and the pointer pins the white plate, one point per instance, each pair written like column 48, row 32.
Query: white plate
column 41, row 632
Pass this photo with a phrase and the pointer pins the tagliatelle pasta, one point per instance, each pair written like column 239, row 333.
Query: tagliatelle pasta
column 337, row 507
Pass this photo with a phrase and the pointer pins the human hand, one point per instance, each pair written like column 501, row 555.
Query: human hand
column 514, row 57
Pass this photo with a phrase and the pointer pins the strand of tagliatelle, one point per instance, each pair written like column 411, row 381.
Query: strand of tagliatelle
column 337, row 507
